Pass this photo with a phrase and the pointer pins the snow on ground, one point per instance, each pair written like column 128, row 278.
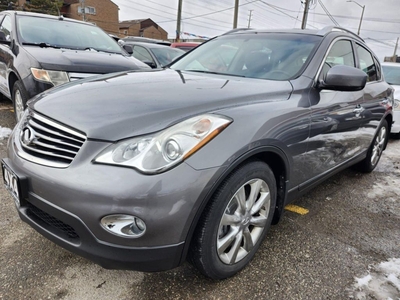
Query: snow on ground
column 382, row 282
column 4, row 132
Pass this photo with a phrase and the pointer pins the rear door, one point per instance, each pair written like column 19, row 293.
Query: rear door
column 376, row 93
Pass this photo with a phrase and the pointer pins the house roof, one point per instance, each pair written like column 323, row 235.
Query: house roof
column 128, row 23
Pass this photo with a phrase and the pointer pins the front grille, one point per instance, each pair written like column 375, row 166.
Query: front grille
column 49, row 143
column 51, row 223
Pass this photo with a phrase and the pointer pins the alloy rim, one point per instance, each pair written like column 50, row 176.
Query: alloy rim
column 19, row 105
column 243, row 221
column 378, row 146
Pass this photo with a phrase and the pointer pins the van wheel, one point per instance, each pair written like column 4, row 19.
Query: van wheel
column 375, row 150
column 235, row 222
column 19, row 97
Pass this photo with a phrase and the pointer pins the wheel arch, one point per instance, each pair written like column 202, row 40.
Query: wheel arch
column 275, row 158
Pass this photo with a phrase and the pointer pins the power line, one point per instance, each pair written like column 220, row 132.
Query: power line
column 328, row 13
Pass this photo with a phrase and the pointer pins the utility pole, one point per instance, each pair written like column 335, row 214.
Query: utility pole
column 84, row 10
column 305, row 15
column 250, row 13
column 236, row 12
column 178, row 22
column 395, row 50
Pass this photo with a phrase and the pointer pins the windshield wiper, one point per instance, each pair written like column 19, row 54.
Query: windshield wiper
column 99, row 50
column 42, row 45
column 212, row 72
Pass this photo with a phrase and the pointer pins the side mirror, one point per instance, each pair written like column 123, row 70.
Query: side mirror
column 128, row 48
column 343, row 78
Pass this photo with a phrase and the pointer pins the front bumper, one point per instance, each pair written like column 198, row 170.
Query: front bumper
column 66, row 206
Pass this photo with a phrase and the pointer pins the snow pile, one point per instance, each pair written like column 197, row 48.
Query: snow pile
column 382, row 282
column 4, row 132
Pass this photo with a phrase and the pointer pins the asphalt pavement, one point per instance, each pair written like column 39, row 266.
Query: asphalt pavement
column 335, row 251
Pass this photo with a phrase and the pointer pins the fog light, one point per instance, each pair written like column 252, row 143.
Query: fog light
column 124, row 225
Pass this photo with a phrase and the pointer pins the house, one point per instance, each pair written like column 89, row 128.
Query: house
column 103, row 13
column 142, row 27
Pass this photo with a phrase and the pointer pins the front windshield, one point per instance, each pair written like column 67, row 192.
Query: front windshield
column 392, row 74
column 64, row 34
column 271, row 56
column 166, row 55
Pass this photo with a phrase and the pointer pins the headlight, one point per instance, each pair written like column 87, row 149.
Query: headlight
column 396, row 104
column 161, row 151
column 54, row 77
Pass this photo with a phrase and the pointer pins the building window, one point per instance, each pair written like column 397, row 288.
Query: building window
column 88, row 10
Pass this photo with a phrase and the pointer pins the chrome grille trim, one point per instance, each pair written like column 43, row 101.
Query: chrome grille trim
column 48, row 143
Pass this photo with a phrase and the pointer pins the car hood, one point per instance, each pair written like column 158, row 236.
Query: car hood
column 120, row 105
column 82, row 61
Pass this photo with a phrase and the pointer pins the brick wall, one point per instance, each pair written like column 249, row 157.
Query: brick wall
column 104, row 13
column 145, row 29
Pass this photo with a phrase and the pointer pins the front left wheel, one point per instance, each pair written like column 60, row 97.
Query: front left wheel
column 19, row 97
column 235, row 222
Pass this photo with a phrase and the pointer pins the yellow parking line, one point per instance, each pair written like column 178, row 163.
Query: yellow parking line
column 297, row 209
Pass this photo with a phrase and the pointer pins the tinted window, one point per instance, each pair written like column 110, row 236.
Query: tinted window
column 142, row 54
column 166, row 54
column 264, row 55
column 341, row 53
column 6, row 28
column 367, row 63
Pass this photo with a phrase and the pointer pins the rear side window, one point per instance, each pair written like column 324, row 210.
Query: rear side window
column 367, row 64
column 142, row 54
column 341, row 53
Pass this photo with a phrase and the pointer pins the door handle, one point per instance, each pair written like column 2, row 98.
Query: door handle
column 385, row 102
column 358, row 110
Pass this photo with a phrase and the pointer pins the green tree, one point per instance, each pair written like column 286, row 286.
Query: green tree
column 8, row 4
column 51, row 7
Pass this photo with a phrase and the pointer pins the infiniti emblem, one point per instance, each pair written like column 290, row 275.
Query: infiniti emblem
column 27, row 136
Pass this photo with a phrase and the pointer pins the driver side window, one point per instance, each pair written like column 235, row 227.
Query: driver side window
column 341, row 53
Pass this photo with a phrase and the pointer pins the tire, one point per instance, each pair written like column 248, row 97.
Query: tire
column 228, row 234
column 374, row 153
column 19, row 97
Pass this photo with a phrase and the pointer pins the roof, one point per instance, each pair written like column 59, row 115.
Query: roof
column 128, row 23
column 146, row 40
column 390, row 63
column 147, row 45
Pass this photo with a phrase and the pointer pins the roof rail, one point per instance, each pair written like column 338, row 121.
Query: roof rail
column 236, row 30
column 328, row 29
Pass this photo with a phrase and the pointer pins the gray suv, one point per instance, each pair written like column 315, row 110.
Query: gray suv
column 144, row 170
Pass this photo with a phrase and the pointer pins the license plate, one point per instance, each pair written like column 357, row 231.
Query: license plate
column 12, row 183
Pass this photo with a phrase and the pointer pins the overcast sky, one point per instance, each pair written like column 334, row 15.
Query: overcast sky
column 380, row 26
